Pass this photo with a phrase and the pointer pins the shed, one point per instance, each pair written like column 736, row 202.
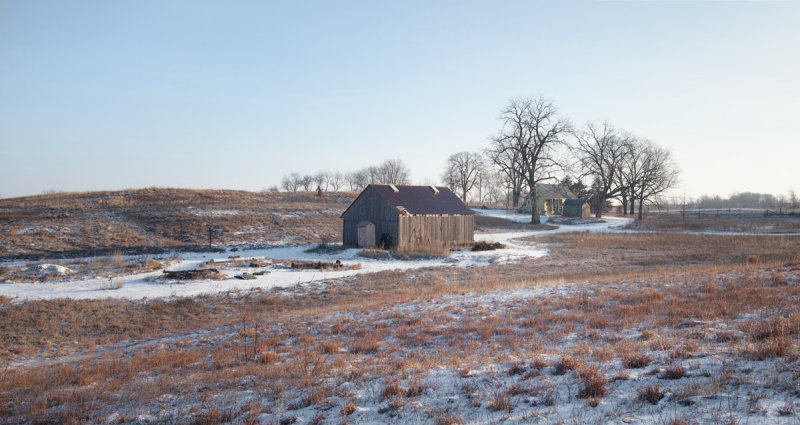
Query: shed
column 577, row 208
column 408, row 218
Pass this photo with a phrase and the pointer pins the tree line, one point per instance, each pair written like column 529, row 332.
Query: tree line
column 742, row 200
column 391, row 171
column 536, row 145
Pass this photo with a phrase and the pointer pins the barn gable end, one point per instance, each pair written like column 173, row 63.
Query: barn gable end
column 410, row 217
column 369, row 206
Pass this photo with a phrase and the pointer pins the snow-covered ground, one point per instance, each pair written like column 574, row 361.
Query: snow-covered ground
column 145, row 285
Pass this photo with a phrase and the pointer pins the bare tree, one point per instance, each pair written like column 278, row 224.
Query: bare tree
column 506, row 161
column 463, row 171
column 793, row 199
column 336, row 180
column 320, row 180
column 659, row 174
column 600, row 152
column 393, row 171
column 531, row 132
column 357, row 180
column 306, row 181
column 291, row 183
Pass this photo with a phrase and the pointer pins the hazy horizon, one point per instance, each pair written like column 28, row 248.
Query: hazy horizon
column 106, row 95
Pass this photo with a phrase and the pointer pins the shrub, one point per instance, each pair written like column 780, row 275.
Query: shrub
column 392, row 388
column 517, row 368
column 636, row 360
column 651, row 394
column 331, row 347
column 778, row 279
column 594, row 384
column 448, row 420
column 368, row 345
column 416, row 388
column 500, row 401
column 269, row 357
column 678, row 420
column 349, row 408
column 565, row 364
column 674, row 371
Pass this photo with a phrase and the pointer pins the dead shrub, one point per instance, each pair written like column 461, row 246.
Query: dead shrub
column 448, row 419
column 594, row 384
column 500, row 401
column 753, row 259
column 369, row 344
column 622, row 375
column 392, row 388
column 651, row 394
column 636, row 360
column 331, row 347
column 678, row 420
column 269, row 357
column 674, row 371
column 349, row 408
column 516, row 368
column 538, row 363
column 416, row 387
column 564, row 365
column 770, row 348
column 778, row 279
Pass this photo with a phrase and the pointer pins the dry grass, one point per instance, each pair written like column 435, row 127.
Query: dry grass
column 155, row 220
column 651, row 394
column 300, row 355
column 749, row 223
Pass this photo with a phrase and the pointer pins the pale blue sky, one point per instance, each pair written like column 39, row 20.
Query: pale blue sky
column 111, row 94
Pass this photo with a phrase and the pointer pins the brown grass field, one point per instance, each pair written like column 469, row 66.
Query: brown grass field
column 609, row 327
column 160, row 219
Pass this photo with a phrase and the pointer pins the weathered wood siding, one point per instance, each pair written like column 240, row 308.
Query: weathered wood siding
column 422, row 231
column 369, row 207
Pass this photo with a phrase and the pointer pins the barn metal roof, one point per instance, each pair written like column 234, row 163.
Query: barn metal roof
column 422, row 200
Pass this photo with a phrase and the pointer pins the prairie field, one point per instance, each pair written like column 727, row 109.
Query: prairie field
column 617, row 326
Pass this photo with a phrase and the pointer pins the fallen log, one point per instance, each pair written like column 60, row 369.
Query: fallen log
column 317, row 265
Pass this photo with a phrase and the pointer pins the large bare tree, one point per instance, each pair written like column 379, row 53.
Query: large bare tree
column 393, row 171
column 600, row 152
column 659, row 174
column 531, row 132
column 463, row 171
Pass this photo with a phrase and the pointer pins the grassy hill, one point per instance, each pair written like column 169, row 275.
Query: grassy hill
column 152, row 219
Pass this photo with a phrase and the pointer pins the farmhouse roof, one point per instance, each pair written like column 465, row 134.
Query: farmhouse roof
column 554, row 190
column 421, row 200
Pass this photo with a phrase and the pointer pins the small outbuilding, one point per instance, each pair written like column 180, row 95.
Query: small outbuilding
column 577, row 208
column 408, row 218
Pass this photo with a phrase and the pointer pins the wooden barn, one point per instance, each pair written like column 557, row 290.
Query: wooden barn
column 408, row 218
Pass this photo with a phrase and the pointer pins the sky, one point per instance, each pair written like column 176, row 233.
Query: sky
column 98, row 95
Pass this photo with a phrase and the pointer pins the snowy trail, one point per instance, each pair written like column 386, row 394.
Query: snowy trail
column 144, row 285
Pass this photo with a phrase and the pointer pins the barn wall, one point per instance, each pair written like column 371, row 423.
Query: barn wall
column 423, row 231
column 369, row 207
